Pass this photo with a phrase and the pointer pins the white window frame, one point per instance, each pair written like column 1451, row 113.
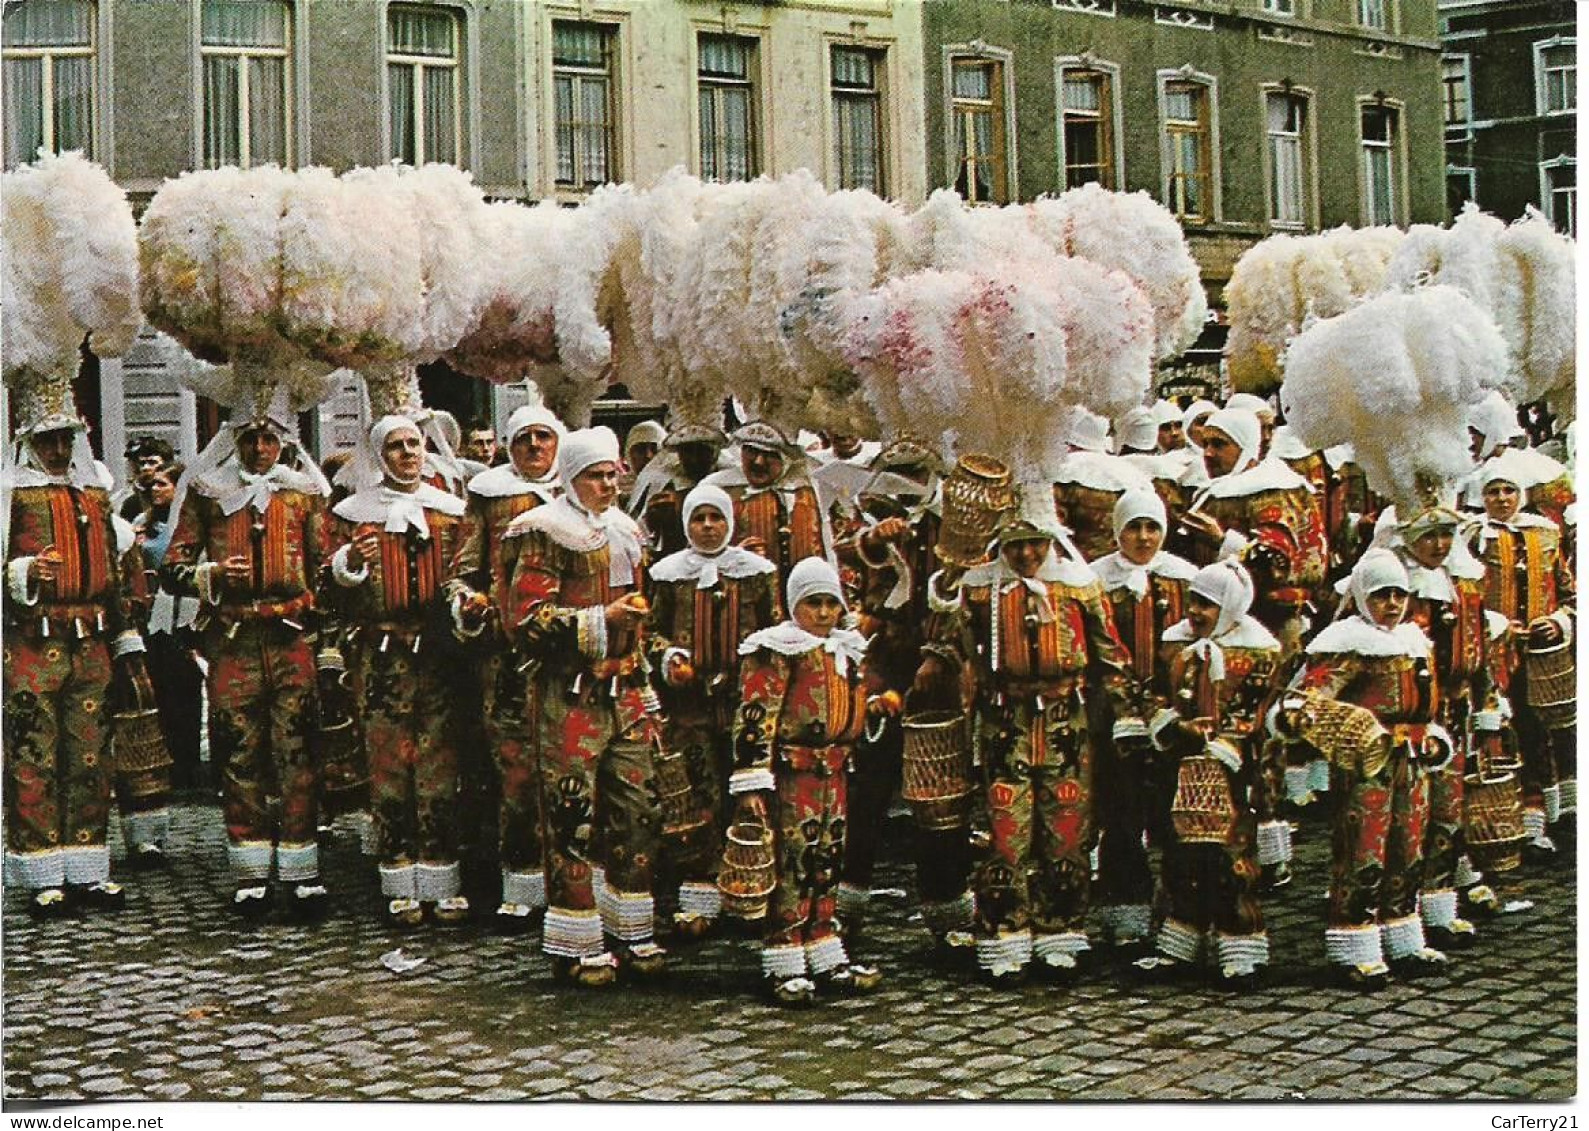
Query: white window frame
column 881, row 54
column 289, row 57
column 1006, row 60
column 1282, row 7
column 1397, row 150
column 1307, row 152
column 1541, row 86
column 616, row 156
column 98, row 10
column 751, row 83
column 1463, row 128
column 1210, row 85
column 463, row 50
column 1113, row 114
column 1547, row 197
column 1376, row 15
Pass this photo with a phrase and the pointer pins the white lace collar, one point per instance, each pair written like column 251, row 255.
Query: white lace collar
column 787, row 638
column 1354, row 635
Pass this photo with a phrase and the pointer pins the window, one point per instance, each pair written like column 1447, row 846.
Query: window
column 582, row 98
column 858, row 118
column 1379, row 132
column 1457, row 94
column 48, row 78
column 1281, row 7
column 1559, row 191
column 1556, row 76
column 1188, row 184
column 424, row 85
column 244, row 47
column 977, row 109
column 1087, row 133
column 1286, row 125
column 1374, row 14
column 728, row 108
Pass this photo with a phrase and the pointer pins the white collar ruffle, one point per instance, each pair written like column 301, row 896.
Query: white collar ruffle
column 398, row 511
column 1354, row 635
column 1116, row 573
column 787, row 638
column 1269, row 474
column 690, row 564
column 504, row 482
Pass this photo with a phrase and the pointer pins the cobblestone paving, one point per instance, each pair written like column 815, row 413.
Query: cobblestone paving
column 174, row 1000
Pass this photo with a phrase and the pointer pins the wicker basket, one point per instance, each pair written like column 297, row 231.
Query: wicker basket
column 680, row 814
column 1203, row 811
column 977, row 495
column 1552, row 685
column 747, row 876
column 1494, row 822
column 1347, row 735
column 141, row 754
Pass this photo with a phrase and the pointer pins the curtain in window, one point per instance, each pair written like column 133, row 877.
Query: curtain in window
column 24, row 113
column 1286, row 191
column 414, row 31
column 221, row 110
column 736, row 134
column 579, row 45
column 852, row 68
column 1083, row 94
column 593, row 136
column 563, row 111
column 855, row 127
column 244, row 23
column 725, row 55
column 1189, row 163
column 267, row 107
column 48, row 23
column 1381, row 190
column 441, row 115
column 973, row 82
column 400, row 110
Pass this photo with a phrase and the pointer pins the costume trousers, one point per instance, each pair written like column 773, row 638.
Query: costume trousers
column 598, row 778
column 262, row 682
column 1037, row 873
column 57, row 759
column 413, row 766
column 1444, row 841
column 510, row 719
column 1124, row 801
column 1377, row 842
column 811, row 824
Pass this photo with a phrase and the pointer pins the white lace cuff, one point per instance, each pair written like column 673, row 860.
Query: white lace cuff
column 344, row 576
column 21, row 590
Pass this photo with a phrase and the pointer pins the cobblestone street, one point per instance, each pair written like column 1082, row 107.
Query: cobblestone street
column 174, row 1000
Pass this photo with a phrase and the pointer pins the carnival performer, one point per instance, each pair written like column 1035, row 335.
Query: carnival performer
column 776, row 509
column 392, row 545
column 802, row 706
column 707, row 599
column 1381, row 756
column 1494, row 426
column 249, row 542
column 1260, row 510
column 888, row 552
column 689, row 454
column 1446, row 600
column 69, row 635
column 1088, row 481
column 1037, row 632
column 1222, row 663
column 575, row 606
column 640, row 447
column 1146, row 590
column 1529, row 581
column 480, row 573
